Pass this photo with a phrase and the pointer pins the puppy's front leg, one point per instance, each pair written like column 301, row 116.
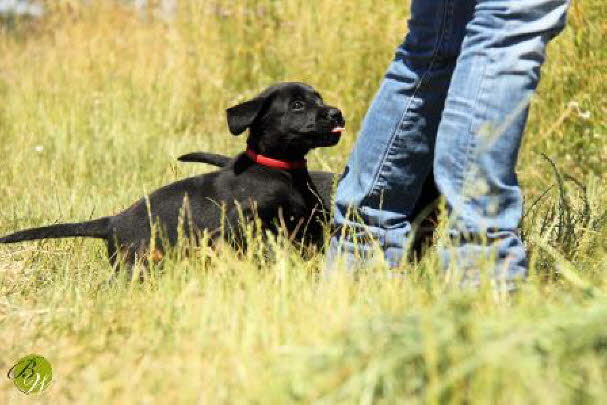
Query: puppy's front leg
column 236, row 223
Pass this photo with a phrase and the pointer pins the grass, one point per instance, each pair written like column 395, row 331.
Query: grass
column 98, row 101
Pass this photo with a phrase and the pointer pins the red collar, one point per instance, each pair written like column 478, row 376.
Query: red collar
column 275, row 163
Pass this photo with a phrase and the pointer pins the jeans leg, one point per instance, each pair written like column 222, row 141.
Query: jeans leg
column 393, row 154
column 481, row 129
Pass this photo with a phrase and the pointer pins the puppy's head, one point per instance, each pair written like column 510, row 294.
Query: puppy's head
column 287, row 120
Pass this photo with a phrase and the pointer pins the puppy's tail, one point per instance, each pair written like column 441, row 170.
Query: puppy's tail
column 204, row 157
column 98, row 228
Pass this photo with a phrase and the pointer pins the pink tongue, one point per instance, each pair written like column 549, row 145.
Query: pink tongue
column 338, row 130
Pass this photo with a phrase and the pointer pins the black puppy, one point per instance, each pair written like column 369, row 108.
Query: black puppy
column 269, row 181
column 425, row 211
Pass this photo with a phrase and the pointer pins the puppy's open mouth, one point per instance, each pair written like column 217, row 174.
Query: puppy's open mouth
column 332, row 137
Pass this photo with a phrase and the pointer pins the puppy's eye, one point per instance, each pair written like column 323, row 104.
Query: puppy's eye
column 297, row 105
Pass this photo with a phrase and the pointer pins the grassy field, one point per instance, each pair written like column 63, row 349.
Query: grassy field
column 98, row 101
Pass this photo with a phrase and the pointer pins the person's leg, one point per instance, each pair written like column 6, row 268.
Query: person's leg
column 480, row 133
column 394, row 152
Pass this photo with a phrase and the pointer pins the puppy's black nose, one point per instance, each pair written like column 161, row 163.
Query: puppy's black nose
column 334, row 114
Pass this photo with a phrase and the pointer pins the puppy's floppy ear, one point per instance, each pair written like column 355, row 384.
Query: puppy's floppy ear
column 241, row 116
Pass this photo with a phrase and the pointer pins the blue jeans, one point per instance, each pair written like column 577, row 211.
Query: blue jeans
column 452, row 105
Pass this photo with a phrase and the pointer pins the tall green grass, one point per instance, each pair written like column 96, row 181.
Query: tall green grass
column 99, row 99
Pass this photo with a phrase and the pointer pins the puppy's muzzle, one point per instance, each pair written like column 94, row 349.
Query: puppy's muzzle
column 331, row 120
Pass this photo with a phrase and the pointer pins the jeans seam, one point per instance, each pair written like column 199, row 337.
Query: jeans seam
column 373, row 189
